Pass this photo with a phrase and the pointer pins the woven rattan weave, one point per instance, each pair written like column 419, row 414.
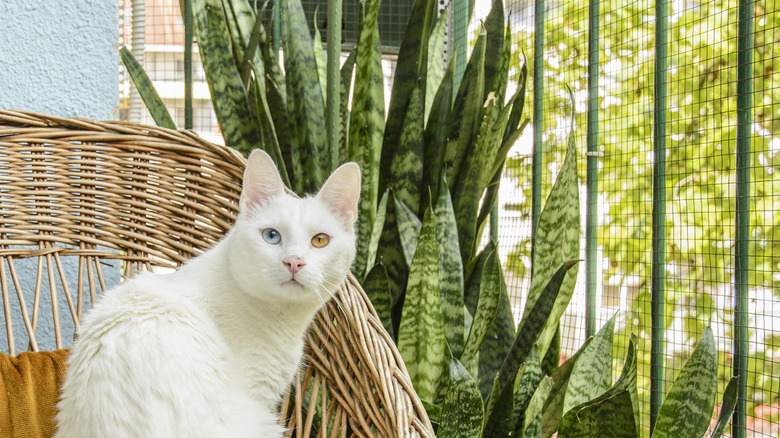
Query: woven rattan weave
column 128, row 197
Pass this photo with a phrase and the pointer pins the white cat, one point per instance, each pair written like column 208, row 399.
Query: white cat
column 208, row 351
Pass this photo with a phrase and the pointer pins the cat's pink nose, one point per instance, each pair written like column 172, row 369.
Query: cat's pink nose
column 294, row 263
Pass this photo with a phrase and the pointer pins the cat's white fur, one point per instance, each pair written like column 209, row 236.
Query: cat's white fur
column 207, row 351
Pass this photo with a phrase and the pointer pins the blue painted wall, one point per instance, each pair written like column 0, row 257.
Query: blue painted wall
column 57, row 58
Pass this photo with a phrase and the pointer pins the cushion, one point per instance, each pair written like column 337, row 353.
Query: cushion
column 29, row 390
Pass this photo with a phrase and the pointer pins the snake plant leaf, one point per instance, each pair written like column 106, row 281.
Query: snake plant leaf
column 612, row 413
column 146, row 89
column 688, row 406
column 378, row 290
column 406, row 170
column 494, row 30
column 498, row 341
column 346, row 92
column 472, row 179
column 517, row 110
column 583, row 377
column 532, row 427
column 592, row 373
column 436, row 131
column 390, row 251
column 727, row 408
column 534, row 322
column 526, row 385
column 487, row 307
column 554, row 403
column 319, row 57
column 557, row 238
column 311, row 158
column 435, row 60
column 466, row 112
column 499, row 415
column 451, row 273
column 268, row 131
column 235, row 114
column 421, row 335
column 462, row 410
column 411, row 66
column 502, row 71
column 408, row 228
column 276, row 92
column 367, row 252
column 473, row 277
column 366, row 123
column 252, row 55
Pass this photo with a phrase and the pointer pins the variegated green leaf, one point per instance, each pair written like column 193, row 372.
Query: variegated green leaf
column 268, row 132
column 146, row 89
column 526, row 385
column 502, row 71
column 557, row 238
column 319, row 57
column 498, row 341
column 473, row 277
column 390, row 252
column 421, row 339
column 311, row 158
column 615, row 411
column 462, row 411
column 489, row 298
column 408, row 228
column 451, row 274
column 436, row 134
column 532, row 427
column 533, row 323
column 372, row 245
column 366, row 124
column 472, row 179
column 499, row 418
column 554, row 404
column 235, row 114
column 592, row 374
column 726, row 408
column 406, row 170
column 688, row 406
column 346, row 92
column 435, row 60
column 276, row 94
column 378, row 291
column 494, row 28
column 466, row 113
column 412, row 63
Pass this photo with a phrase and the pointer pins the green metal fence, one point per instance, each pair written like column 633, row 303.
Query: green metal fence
column 677, row 124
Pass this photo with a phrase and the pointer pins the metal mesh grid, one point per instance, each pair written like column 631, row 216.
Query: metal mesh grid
column 700, row 181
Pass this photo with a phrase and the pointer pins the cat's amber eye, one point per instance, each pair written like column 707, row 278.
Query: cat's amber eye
column 320, row 240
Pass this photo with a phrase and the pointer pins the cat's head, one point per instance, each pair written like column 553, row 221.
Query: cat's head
column 290, row 249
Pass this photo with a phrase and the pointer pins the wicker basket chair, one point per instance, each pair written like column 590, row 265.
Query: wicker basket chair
column 115, row 198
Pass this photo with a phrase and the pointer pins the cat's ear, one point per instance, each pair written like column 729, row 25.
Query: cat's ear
column 261, row 180
column 342, row 192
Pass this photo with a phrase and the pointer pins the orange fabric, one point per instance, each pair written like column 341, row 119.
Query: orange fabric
column 29, row 389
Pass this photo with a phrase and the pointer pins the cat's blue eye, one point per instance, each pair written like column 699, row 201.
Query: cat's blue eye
column 271, row 236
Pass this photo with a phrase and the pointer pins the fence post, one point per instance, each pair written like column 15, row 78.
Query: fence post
column 659, row 214
column 592, row 182
column 187, row 12
column 333, row 107
column 536, row 175
column 742, row 232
